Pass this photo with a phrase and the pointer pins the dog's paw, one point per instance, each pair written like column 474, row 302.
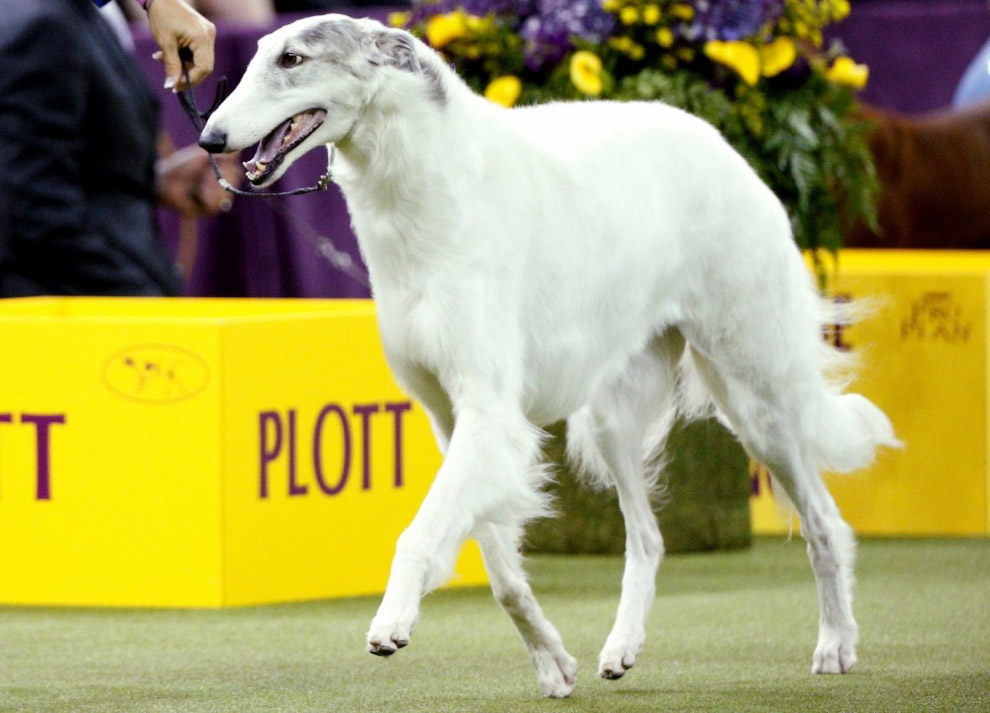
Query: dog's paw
column 835, row 653
column 619, row 655
column 555, row 671
column 614, row 662
column 380, row 646
column 384, row 639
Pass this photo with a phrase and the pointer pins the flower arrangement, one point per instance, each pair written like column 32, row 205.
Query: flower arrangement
column 756, row 69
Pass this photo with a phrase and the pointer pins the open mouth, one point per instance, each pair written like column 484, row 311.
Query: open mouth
column 273, row 148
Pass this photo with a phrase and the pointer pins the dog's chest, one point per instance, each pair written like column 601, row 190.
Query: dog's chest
column 417, row 332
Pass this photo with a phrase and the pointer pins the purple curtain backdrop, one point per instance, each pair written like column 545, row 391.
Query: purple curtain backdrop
column 917, row 51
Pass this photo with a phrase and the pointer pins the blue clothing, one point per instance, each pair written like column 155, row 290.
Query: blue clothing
column 975, row 84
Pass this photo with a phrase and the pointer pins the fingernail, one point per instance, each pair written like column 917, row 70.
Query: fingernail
column 169, row 82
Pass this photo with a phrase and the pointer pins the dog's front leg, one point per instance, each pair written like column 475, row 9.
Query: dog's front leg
column 556, row 670
column 487, row 475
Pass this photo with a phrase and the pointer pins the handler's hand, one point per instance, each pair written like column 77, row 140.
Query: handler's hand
column 174, row 25
column 186, row 182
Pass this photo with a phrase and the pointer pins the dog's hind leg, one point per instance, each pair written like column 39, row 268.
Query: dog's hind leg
column 621, row 414
column 774, row 419
column 556, row 670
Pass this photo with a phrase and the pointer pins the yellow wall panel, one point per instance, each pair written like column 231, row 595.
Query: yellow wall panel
column 131, row 453
column 106, row 514
column 324, row 470
column 924, row 361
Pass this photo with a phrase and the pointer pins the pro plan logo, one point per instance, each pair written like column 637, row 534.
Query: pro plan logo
column 156, row 373
column 936, row 317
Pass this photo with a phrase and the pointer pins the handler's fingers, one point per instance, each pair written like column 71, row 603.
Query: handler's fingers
column 173, row 65
column 202, row 63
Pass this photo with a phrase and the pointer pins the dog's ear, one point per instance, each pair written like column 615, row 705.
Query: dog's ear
column 394, row 48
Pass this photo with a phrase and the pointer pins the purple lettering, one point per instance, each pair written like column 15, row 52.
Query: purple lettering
column 5, row 417
column 268, row 453
column 294, row 488
column 345, row 432
column 398, row 409
column 365, row 411
column 42, row 424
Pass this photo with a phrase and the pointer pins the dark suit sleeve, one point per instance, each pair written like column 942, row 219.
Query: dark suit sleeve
column 46, row 239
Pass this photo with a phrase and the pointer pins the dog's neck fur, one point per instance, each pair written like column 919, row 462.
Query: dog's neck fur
column 415, row 132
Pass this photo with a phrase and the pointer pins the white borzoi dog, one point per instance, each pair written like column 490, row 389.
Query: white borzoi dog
column 598, row 262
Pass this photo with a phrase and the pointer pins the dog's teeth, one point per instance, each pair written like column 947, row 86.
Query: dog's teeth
column 261, row 166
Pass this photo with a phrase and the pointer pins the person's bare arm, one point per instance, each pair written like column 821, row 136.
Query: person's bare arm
column 257, row 12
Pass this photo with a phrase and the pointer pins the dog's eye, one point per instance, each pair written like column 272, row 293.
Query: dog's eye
column 290, row 59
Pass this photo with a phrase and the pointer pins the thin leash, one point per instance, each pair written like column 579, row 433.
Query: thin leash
column 337, row 258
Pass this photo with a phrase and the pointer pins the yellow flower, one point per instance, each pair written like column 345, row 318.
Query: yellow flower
column 845, row 71
column 629, row 15
column 665, row 38
column 740, row 56
column 651, row 14
column 777, row 56
column 504, row 90
column 684, row 12
column 611, row 5
column 399, row 19
column 477, row 24
column 443, row 29
column 628, row 47
column 840, row 9
column 586, row 72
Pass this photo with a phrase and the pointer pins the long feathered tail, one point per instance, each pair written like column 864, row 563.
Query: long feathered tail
column 850, row 427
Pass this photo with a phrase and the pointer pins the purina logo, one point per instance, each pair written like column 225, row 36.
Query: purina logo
column 936, row 317
column 156, row 373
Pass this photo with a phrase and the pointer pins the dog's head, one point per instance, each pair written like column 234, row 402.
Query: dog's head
column 308, row 85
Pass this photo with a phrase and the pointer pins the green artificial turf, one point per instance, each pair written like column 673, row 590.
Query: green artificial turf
column 730, row 632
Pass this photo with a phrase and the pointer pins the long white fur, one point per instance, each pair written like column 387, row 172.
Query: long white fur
column 565, row 262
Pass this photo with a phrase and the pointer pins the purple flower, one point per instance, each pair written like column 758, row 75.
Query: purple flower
column 480, row 8
column 731, row 19
column 549, row 33
column 518, row 9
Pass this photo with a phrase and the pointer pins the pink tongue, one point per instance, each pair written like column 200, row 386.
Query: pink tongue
column 269, row 146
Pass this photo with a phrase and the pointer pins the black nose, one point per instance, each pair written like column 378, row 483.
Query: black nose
column 213, row 141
